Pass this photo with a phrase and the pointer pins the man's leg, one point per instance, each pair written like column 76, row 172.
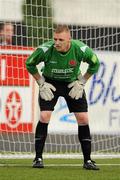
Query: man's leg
column 85, row 140
column 40, row 137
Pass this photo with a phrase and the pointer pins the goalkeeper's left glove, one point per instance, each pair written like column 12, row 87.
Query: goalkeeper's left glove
column 77, row 87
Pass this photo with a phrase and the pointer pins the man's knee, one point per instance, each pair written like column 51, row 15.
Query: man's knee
column 45, row 116
column 82, row 117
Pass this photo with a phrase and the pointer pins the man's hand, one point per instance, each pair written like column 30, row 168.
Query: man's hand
column 46, row 89
column 77, row 88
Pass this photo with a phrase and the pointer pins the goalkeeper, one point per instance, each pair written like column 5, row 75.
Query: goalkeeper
column 61, row 76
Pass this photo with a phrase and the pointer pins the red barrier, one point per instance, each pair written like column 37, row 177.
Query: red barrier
column 16, row 91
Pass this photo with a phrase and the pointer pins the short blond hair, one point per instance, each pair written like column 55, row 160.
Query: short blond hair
column 62, row 28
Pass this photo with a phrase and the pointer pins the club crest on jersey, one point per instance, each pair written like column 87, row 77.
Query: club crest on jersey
column 72, row 62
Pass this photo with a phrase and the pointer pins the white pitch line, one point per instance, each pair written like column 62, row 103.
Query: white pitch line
column 53, row 165
column 75, row 165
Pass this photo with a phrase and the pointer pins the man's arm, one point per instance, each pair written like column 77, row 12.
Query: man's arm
column 85, row 77
column 36, row 76
column 91, row 58
column 77, row 87
column 33, row 60
column 46, row 89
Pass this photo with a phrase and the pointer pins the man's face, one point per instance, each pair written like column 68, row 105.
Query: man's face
column 62, row 41
column 8, row 32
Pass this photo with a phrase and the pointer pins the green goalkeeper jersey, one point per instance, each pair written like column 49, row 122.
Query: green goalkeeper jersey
column 62, row 66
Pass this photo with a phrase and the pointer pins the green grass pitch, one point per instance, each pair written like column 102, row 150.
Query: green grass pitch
column 58, row 169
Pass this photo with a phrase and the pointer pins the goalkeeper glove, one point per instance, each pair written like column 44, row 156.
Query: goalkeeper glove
column 77, row 87
column 46, row 89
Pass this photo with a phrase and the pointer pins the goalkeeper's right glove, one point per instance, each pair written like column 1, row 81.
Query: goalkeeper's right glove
column 46, row 89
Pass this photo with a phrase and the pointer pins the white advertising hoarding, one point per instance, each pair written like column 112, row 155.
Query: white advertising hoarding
column 87, row 12
column 11, row 10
